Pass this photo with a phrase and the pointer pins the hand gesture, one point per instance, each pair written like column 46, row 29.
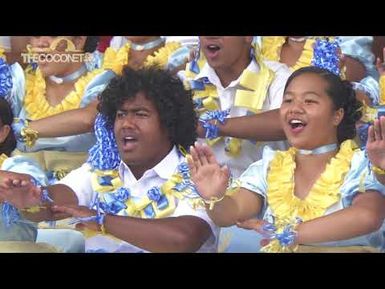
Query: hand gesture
column 381, row 65
column 78, row 212
column 209, row 177
column 19, row 190
column 375, row 145
column 256, row 225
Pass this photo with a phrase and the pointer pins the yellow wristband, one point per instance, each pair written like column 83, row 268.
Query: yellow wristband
column 378, row 171
column 30, row 136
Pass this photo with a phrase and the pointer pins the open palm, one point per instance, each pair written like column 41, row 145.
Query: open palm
column 376, row 143
column 210, row 178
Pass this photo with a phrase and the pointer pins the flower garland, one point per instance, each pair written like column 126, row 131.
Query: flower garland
column 320, row 51
column 36, row 104
column 251, row 96
column 115, row 60
column 324, row 193
column 6, row 82
column 271, row 48
column 113, row 198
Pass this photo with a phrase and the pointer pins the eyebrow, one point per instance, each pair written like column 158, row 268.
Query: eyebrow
column 134, row 109
column 304, row 93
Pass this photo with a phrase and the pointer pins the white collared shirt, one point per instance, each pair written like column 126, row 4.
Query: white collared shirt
column 79, row 181
column 249, row 152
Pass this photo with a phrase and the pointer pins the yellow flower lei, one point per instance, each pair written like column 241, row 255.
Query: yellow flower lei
column 271, row 49
column 115, row 60
column 256, row 86
column 36, row 104
column 325, row 192
column 2, row 55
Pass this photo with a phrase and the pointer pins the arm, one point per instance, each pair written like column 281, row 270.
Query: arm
column 72, row 122
column 179, row 234
column 19, row 190
column 211, row 181
column 172, row 234
column 364, row 216
column 252, row 127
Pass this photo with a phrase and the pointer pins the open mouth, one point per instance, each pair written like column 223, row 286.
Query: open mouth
column 129, row 142
column 212, row 50
column 297, row 125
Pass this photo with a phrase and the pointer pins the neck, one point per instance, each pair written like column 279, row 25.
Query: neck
column 147, row 44
column 319, row 153
column 230, row 73
column 71, row 75
column 139, row 169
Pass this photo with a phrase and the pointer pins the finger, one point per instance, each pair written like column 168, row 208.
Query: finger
column 209, row 154
column 66, row 209
column 264, row 242
column 80, row 226
column 191, row 164
column 226, row 171
column 377, row 130
column 250, row 224
column 371, row 137
column 7, row 183
column 16, row 182
column 381, row 123
column 195, row 158
column 199, row 148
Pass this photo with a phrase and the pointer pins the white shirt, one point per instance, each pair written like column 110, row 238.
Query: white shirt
column 79, row 181
column 250, row 152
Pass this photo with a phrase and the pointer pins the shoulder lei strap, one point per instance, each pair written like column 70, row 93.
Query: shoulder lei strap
column 112, row 197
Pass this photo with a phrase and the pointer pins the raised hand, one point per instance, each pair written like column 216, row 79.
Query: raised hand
column 381, row 65
column 210, row 178
column 375, row 145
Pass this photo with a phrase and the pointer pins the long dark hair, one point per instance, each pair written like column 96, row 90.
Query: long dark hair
column 6, row 118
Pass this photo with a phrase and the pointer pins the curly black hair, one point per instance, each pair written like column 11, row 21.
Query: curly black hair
column 91, row 44
column 6, row 118
column 343, row 96
column 172, row 101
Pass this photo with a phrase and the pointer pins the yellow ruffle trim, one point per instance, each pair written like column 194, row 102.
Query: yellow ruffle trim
column 271, row 49
column 2, row 55
column 36, row 104
column 115, row 60
column 3, row 157
column 324, row 193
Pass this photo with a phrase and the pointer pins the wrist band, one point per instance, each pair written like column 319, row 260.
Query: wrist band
column 378, row 170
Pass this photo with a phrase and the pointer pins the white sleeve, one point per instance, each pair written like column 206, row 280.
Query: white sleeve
column 184, row 209
column 79, row 181
column 282, row 73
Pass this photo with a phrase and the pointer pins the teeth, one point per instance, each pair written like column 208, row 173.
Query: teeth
column 213, row 46
column 296, row 121
column 128, row 138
